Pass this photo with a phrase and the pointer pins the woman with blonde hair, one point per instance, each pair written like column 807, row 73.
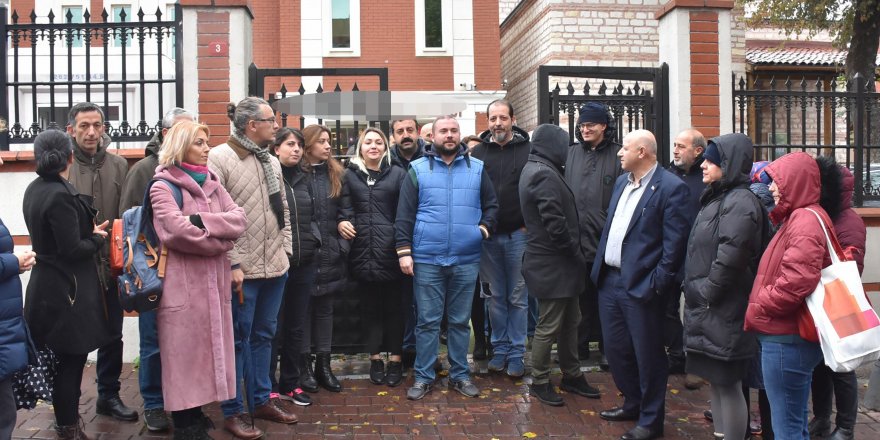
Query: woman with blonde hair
column 325, row 174
column 370, row 190
column 194, row 319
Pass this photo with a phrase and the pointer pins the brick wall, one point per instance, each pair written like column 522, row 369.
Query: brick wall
column 213, row 74
column 487, row 46
column 705, row 114
column 505, row 7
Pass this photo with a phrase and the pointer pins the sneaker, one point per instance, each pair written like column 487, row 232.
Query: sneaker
column 156, row 420
column 418, row 391
column 466, row 388
column 516, row 367
column 546, row 394
column 377, row 371
column 579, row 386
column 497, row 363
column 297, row 396
column 394, row 375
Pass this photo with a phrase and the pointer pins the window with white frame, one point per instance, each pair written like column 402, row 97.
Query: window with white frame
column 342, row 28
column 76, row 16
column 117, row 11
column 433, row 27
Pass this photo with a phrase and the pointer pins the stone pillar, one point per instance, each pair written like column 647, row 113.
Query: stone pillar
column 695, row 40
column 217, row 51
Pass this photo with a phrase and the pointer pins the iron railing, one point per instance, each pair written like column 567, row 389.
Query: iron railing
column 822, row 116
column 134, row 96
column 640, row 104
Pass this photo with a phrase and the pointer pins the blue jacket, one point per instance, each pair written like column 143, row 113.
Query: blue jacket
column 655, row 241
column 441, row 209
column 13, row 338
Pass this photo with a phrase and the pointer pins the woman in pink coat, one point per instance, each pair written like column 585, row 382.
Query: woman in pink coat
column 194, row 318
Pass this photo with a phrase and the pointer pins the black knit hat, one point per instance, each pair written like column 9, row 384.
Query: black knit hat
column 595, row 112
column 712, row 154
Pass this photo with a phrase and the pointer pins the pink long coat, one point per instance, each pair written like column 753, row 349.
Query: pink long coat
column 194, row 318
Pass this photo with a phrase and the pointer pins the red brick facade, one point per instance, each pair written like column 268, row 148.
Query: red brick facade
column 705, row 104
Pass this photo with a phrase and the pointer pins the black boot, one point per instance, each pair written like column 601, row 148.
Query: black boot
column 307, row 374
column 325, row 375
column 71, row 432
column 841, row 433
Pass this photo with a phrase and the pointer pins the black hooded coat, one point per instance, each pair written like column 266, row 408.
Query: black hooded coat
column 554, row 261
column 725, row 246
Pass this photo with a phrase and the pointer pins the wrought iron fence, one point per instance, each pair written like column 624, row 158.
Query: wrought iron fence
column 128, row 65
column 639, row 99
column 342, row 130
column 831, row 117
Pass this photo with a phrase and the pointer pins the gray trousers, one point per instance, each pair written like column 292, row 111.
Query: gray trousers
column 7, row 408
column 558, row 322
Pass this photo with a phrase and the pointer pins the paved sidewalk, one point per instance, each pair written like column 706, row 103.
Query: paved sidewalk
column 366, row 411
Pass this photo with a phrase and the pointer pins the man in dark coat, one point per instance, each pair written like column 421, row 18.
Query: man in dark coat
column 687, row 156
column 552, row 254
column 590, row 170
column 150, row 367
column 641, row 249
column 97, row 173
column 504, row 151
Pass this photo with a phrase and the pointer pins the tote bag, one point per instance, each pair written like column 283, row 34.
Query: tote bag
column 849, row 329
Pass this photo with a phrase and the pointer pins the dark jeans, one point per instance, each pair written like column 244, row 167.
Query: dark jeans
column 845, row 389
column 109, row 365
column 408, row 308
column 318, row 328
column 673, row 330
column 288, row 342
column 590, row 328
column 7, row 408
column 150, row 367
column 66, row 391
column 384, row 322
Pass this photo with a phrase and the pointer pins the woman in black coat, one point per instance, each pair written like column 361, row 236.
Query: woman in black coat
column 293, row 314
column 65, row 306
column 325, row 179
column 370, row 190
column 722, row 257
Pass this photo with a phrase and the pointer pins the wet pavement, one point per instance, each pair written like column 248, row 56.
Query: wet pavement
column 504, row 410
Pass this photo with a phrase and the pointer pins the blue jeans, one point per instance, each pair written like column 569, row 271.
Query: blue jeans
column 435, row 286
column 788, row 371
column 408, row 308
column 501, row 268
column 254, row 322
column 150, row 368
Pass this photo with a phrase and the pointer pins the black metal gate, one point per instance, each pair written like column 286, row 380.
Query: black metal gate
column 639, row 100
column 257, row 87
column 118, row 62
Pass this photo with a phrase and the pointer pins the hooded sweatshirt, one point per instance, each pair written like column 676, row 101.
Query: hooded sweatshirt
column 398, row 159
column 504, row 164
column 140, row 174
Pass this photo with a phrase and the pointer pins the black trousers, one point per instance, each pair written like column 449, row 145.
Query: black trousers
column 7, row 408
column 673, row 330
column 318, row 327
column 845, row 389
column 66, row 389
column 383, row 316
column 590, row 328
column 478, row 316
column 292, row 317
column 109, row 365
column 187, row 417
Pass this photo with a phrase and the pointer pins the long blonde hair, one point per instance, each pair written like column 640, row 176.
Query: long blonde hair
column 334, row 169
column 178, row 139
column 358, row 158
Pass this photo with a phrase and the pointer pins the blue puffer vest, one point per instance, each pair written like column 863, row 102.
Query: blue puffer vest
column 447, row 229
column 13, row 339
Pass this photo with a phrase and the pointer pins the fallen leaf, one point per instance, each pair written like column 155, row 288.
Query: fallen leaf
column 673, row 391
column 366, row 423
column 497, row 390
column 334, row 428
column 418, row 416
column 530, row 435
column 683, row 419
column 382, row 393
column 518, row 383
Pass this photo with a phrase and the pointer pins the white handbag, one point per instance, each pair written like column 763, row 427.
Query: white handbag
column 849, row 329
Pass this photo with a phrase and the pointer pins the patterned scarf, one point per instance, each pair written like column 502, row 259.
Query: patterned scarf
column 272, row 183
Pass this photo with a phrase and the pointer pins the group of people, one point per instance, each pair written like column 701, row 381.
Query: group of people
column 435, row 231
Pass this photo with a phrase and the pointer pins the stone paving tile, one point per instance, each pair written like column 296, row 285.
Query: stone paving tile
column 504, row 410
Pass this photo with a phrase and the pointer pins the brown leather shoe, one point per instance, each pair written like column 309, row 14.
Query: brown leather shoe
column 274, row 411
column 241, row 428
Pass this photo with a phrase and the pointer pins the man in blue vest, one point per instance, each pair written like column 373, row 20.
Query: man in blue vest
column 447, row 207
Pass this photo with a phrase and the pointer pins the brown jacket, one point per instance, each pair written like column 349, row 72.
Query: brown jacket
column 263, row 250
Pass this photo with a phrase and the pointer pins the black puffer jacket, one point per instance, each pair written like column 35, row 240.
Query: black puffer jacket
column 332, row 271
column 553, row 251
column 591, row 174
column 722, row 258
column 305, row 234
column 372, row 209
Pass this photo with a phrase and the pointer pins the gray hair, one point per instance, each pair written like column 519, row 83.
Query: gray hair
column 698, row 139
column 173, row 114
column 246, row 110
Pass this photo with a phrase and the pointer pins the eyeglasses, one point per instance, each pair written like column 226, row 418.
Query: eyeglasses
column 587, row 125
column 264, row 120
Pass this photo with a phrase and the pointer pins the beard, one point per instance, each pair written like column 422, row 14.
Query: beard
column 408, row 140
column 444, row 151
column 501, row 137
